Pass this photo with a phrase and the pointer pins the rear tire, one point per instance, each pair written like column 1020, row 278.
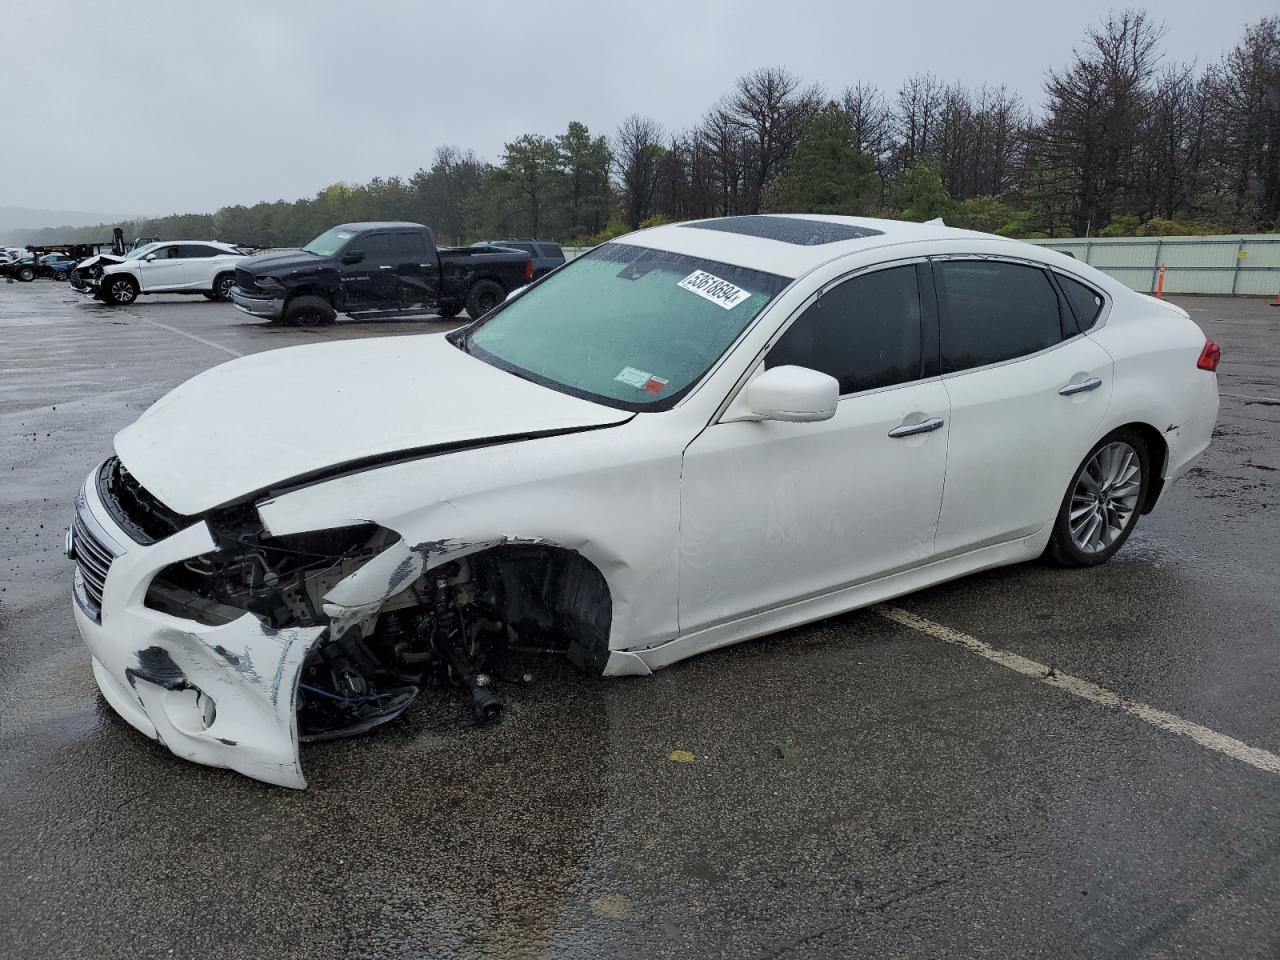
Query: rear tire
column 308, row 311
column 483, row 296
column 1102, row 502
column 223, row 284
column 120, row 290
column 26, row 274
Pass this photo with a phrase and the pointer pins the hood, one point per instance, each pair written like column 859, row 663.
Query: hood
column 290, row 414
column 285, row 260
column 105, row 259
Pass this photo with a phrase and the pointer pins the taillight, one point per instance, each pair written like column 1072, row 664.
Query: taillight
column 528, row 269
column 1210, row 356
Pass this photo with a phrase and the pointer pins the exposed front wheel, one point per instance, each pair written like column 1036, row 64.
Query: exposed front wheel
column 483, row 296
column 1102, row 503
column 120, row 290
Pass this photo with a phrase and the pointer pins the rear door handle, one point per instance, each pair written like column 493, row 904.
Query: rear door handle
column 384, row 267
column 914, row 429
column 1084, row 386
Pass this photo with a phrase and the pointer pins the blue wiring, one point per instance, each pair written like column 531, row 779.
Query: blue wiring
column 334, row 696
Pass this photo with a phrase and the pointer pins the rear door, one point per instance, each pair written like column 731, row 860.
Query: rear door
column 202, row 264
column 164, row 268
column 1027, row 392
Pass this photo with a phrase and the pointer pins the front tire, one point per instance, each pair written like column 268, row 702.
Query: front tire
column 120, row 290
column 308, row 311
column 26, row 274
column 483, row 296
column 1102, row 502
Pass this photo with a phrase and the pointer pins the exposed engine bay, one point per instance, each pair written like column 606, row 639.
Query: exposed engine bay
column 437, row 623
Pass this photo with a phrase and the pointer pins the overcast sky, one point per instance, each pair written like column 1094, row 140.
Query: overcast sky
column 151, row 108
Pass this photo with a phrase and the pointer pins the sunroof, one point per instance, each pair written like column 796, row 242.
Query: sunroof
column 806, row 233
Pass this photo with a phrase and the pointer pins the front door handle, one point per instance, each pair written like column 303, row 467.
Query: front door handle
column 914, row 429
column 1084, row 386
column 385, row 267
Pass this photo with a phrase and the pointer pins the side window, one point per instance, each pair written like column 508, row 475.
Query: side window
column 1085, row 303
column 409, row 245
column 528, row 248
column 198, row 251
column 552, row 250
column 376, row 246
column 864, row 332
column 993, row 311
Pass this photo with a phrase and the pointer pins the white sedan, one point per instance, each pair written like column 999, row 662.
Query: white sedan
column 205, row 267
column 694, row 435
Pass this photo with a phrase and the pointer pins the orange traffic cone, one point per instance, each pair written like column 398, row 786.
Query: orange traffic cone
column 1276, row 301
column 1160, row 283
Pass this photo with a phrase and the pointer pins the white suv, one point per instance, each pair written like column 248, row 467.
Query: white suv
column 171, row 266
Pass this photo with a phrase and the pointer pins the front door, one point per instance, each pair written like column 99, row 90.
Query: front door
column 776, row 512
column 368, row 284
column 1027, row 394
column 163, row 269
column 414, row 268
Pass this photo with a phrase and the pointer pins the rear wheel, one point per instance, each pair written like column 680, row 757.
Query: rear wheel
column 26, row 274
column 308, row 311
column 121, row 289
column 223, row 284
column 483, row 296
column 1103, row 501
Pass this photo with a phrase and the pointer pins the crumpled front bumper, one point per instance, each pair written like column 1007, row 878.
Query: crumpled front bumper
column 223, row 696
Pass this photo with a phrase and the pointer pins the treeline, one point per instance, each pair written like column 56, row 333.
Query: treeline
column 1124, row 143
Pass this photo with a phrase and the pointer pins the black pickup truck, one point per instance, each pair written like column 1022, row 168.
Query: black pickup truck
column 370, row 267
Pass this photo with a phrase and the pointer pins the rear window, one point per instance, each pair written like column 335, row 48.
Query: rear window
column 552, row 250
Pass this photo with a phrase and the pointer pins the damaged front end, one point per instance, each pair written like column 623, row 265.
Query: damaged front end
column 231, row 645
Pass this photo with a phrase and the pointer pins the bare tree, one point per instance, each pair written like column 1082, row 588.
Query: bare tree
column 1094, row 108
column 769, row 107
column 919, row 104
column 637, row 152
column 871, row 122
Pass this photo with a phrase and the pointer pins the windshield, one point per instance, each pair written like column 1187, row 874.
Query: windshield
column 625, row 325
column 329, row 242
column 141, row 251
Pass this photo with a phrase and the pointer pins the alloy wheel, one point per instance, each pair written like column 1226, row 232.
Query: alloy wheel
column 1105, row 497
column 122, row 291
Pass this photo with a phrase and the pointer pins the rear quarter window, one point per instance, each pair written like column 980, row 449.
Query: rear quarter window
column 1086, row 303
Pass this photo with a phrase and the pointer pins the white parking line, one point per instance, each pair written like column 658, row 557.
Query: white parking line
column 189, row 336
column 1211, row 739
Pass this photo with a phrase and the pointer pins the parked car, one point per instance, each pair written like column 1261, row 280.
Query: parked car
column 688, row 437
column 22, row 268
column 172, row 266
column 546, row 255
column 55, row 266
column 361, row 267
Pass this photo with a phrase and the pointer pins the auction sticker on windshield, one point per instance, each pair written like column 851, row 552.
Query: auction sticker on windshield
column 710, row 287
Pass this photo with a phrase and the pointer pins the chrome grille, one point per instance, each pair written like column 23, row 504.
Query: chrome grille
column 94, row 552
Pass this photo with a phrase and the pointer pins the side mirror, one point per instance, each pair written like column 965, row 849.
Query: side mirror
column 353, row 256
column 149, row 257
column 794, row 395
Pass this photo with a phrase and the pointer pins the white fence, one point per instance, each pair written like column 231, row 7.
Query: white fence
column 1227, row 265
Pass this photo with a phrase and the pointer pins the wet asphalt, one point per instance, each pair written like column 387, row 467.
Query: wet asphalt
column 857, row 788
